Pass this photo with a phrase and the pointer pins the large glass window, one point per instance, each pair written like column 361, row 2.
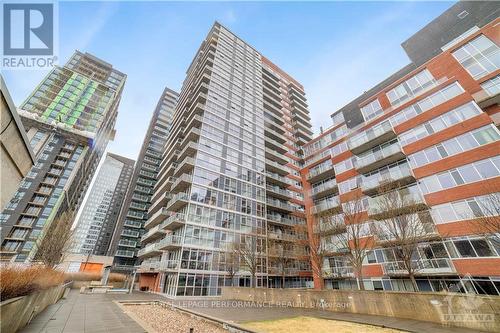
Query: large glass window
column 371, row 110
column 479, row 57
column 411, row 87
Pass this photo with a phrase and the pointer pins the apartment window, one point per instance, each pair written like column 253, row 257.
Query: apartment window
column 461, row 143
column 470, row 208
column 492, row 86
column 338, row 118
column 427, row 103
column 411, row 87
column 440, row 123
column 371, row 110
column 479, row 57
column 465, row 174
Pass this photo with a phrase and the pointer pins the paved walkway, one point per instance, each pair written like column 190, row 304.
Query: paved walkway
column 98, row 313
column 84, row 313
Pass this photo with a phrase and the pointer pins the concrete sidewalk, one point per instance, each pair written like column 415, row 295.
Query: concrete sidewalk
column 94, row 313
column 97, row 313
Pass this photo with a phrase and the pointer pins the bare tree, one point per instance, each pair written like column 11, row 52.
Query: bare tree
column 318, row 253
column 56, row 241
column 355, row 238
column 283, row 255
column 247, row 250
column 232, row 265
column 489, row 222
column 402, row 226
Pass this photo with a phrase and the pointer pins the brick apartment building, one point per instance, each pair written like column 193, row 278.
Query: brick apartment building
column 426, row 139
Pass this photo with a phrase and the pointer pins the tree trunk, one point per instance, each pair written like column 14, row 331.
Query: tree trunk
column 359, row 279
column 283, row 281
column 253, row 282
column 413, row 281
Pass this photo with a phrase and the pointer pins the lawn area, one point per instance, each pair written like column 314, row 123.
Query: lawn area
column 316, row 325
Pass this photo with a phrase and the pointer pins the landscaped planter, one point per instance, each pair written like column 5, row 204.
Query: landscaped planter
column 19, row 311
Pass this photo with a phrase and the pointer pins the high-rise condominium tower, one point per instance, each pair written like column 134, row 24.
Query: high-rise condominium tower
column 99, row 216
column 127, row 236
column 69, row 118
column 229, row 176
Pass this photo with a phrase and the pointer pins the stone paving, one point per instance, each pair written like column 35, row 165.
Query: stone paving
column 98, row 313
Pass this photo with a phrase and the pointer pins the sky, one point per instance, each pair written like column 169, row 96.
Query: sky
column 337, row 50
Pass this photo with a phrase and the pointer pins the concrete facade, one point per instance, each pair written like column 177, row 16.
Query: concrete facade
column 16, row 155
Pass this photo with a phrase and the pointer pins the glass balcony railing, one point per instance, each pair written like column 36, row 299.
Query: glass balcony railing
column 338, row 272
column 421, row 266
column 376, row 158
column 325, row 205
column 169, row 241
column 331, row 184
column 398, row 200
column 394, row 174
column 371, row 136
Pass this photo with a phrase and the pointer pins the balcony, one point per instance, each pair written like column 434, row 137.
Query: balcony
column 274, row 134
column 275, row 145
column 372, row 137
column 149, row 250
column 188, row 150
column 125, row 253
column 275, row 178
column 181, row 183
column 280, row 271
column 321, row 172
column 284, row 236
column 332, row 227
column 393, row 178
column 376, row 159
column 173, row 222
column 280, row 205
column 159, row 203
column 326, row 188
column 338, row 272
column 170, row 242
column 279, row 220
column 192, row 135
column 421, row 267
column 277, row 168
column 276, row 157
column 152, row 234
column 178, row 201
column 399, row 202
column 279, row 192
column 185, row 166
column 326, row 206
column 156, row 218
column 153, row 266
column 127, row 243
column 162, row 189
column 485, row 99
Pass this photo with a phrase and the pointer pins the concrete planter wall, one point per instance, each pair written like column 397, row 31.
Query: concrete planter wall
column 79, row 284
column 17, row 312
column 458, row 310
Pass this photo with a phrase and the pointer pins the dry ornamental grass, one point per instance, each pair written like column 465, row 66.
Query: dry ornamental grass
column 18, row 280
column 316, row 325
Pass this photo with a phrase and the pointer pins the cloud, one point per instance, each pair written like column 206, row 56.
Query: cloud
column 229, row 17
column 94, row 27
